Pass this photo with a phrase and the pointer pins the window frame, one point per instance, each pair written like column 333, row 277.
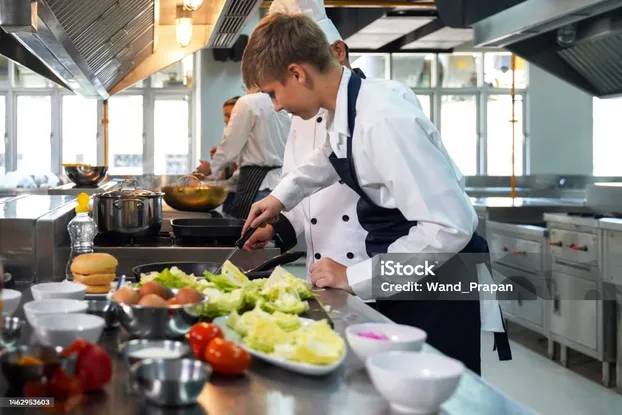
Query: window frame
column 149, row 94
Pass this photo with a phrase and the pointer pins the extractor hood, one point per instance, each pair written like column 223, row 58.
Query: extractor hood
column 579, row 41
column 97, row 48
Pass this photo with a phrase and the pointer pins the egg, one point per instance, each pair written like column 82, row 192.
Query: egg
column 188, row 296
column 152, row 300
column 172, row 301
column 153, row 287
column 126, row 295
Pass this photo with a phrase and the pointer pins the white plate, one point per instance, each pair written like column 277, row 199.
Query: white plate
column 304, row 368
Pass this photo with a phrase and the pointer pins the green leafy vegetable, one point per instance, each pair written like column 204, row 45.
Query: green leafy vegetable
column 230, row 279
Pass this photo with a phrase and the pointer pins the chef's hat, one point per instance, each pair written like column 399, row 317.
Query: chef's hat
column 312, row 8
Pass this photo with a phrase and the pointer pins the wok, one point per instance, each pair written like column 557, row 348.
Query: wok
column 201, row 197
column 261, row 271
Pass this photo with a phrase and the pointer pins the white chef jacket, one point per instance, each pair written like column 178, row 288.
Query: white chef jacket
column 400, row 163
column 256, row 136
column 329, row 214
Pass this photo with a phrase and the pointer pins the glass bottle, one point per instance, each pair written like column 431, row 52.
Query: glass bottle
column 82, row 231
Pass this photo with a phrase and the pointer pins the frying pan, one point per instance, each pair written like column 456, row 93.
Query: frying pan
column 261, row 271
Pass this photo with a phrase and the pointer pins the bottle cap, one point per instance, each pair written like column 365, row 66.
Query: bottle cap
column 83, row 203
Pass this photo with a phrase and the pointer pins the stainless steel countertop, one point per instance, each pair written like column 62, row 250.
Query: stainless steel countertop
column 266, row 389
column 33, row 206
column 610, row 224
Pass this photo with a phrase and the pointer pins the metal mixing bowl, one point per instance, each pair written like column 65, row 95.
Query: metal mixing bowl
column 85, row 175
column 170, row 382
column 195, row 195
column 172, row 322
column 104, row 309
column 18, row 375
column 128, row 348
column 10, row 331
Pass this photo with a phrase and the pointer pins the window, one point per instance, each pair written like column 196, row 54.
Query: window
column 177, row 75
column 499, row 143
column 171, row 132
column 26, row 78
column 459, row 130
column 413, row 70
column 372, row 65
column 79, row 129
column 607, row 137
column 426, row 103
column 498, row 71
column 34, row 133
column 125, row 140
column 459, row 70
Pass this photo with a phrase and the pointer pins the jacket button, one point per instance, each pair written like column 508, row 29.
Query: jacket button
column 313, row 221
column 345, row 218
column 319, row 119
column 318, row 256
column 350, row 255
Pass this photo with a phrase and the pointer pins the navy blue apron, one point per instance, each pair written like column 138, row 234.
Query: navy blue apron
column 453, row 326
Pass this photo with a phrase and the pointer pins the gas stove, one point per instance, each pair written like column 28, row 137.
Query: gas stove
column 163, row 239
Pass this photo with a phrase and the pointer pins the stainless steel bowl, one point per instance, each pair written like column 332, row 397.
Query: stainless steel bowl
column 85, row 175
column 18, row 374
column 10, row 331
column 170, row 382
column 129, row 348
column 172, row 322
column 104, row 309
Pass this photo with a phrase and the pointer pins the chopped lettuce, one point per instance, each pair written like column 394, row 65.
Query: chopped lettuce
column 174, row 278
column 230, row 279
column 222, row 303
column 283, row 335
column 283, row 297
column 281, row 276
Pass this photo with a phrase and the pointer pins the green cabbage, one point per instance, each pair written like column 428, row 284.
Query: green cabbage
column 230, row 279
column 174, row 278
column 222, row 303
column 264, row 334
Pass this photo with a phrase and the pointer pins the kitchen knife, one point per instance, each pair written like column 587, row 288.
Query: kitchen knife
column 238, row 245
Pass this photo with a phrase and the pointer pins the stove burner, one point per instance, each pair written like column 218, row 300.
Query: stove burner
column 163, row 239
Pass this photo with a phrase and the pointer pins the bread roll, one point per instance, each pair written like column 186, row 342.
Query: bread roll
column 97, row 289
column 95, row 279
column 94, row 263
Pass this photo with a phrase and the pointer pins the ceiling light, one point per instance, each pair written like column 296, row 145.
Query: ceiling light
column 184, row 31
column 193, row 4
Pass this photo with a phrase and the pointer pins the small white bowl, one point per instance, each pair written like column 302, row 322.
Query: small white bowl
column 10, row 301
column 70, row 290
column 40, row 308
column 400, row 338
column 413, row 382
column 53, row 331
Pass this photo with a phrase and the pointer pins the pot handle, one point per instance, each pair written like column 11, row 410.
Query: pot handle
column 282, row 259
column 139, row 203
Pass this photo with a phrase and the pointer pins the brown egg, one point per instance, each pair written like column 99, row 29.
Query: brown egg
column 152, row 300
column 188, row 296
column 153, row 287
column 172, row 301
column 126, row 295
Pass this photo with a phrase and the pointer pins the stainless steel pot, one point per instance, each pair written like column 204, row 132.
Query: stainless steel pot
column 128, row 211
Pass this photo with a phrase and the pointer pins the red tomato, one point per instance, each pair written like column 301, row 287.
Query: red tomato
column 75, row 347
column 62, row 386
column 36, row 389
column 200, row 335
column 94, row 367
column 227, row 358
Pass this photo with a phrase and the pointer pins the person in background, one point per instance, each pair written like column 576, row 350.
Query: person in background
column 379, row 145
column 255, row 137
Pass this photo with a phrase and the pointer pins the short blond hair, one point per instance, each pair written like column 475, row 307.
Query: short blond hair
column 280, row 40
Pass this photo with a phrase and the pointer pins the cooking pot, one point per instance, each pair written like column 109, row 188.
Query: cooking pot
column 128, row 211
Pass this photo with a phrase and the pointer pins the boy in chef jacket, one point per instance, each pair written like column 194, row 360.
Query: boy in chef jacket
column 410, row 198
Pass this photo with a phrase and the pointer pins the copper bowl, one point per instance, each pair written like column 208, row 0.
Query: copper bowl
column 196, row 196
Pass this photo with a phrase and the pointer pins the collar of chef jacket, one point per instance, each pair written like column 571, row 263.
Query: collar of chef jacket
column 337, row 121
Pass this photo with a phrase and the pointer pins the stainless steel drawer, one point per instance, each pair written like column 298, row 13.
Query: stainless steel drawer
column 516, row 252
column 574, row 246
column 612, row 258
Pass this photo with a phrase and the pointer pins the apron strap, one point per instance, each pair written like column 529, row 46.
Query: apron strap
column 251, row 178
column 502, row 342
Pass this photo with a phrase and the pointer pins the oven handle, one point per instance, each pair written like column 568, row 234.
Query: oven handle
column 575, row 247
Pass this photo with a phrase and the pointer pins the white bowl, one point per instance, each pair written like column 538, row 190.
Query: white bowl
column 58, row 290
column 413, row 382
column 400, row 337
column 53, row 331
column 10, row 301
column 40, row 308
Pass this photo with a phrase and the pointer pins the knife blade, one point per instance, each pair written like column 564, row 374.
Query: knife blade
column 237, row 245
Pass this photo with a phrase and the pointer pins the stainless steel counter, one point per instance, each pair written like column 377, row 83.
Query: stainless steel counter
column 267, row 389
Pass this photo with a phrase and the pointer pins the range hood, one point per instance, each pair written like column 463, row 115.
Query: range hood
column 97, row 48
column 579, row 41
